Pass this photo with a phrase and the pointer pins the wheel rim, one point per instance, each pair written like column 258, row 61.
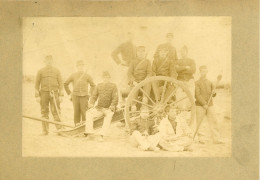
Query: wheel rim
column 163, row 92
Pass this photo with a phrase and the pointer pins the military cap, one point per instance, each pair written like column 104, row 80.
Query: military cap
column 106, row 73
column 80, row 63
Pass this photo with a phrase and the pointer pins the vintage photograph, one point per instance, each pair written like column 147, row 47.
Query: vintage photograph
column 127, row 86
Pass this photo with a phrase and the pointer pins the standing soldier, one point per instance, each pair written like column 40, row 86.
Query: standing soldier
column 204, row 106
column 127, row 50
column 49, row 90
column 106, row 93
column 140, row 69
column 80, row 94
column 172, row 55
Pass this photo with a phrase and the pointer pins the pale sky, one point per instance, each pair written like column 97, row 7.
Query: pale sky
column 94, row 38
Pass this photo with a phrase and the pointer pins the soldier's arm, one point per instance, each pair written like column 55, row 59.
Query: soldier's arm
column 60, row 84
column 66, row 84
column 154, row 68
column 115, row 54
column 213, row 90
column 114, row 97
column 37, row 84
column 149, row 70
column 173, row 72
column 130, row 73
column 94, row 96
column 198, row 95
column 92, row 85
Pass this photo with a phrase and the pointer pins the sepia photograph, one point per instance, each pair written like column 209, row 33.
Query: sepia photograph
column 127, row 86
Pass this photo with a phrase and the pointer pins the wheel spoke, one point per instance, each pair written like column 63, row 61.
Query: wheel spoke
column 163, row 92
column 155, row 91
column 175, row 102
column 142, row 103
column 169, row 97
column 147, row 95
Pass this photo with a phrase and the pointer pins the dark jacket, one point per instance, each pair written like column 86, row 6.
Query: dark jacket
column 203, row 90
column 172, row 52
column 48, row 79
column 80, row 84
column 164, row 67
column 127, row 51
column 107, row 95
column 183, row 73
column 139, row 70
column 141, row 125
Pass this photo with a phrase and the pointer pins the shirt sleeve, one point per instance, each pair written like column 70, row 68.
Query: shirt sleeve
column 94, row 96
column 115, row 54
column 198, row 95
column 60, row 84
column 92, row 85
column 66, row 84
column 37, row 84
column 114, row 97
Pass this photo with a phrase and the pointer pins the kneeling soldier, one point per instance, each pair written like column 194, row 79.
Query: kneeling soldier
column 49, row 90
column 80, row 94
column 107, row 95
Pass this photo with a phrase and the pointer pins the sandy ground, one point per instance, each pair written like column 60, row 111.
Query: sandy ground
column 116, row 144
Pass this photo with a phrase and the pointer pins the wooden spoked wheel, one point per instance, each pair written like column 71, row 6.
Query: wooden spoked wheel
column 164, row 91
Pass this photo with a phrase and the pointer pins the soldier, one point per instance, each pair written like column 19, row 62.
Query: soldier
column 140, row 69
column 127, row 50
column 142, row 132
column 107, row 95
column 204, row 106
column 175, row 132
column 49, row 91
column 185, row 68
column 80, row 95
column 172, row 55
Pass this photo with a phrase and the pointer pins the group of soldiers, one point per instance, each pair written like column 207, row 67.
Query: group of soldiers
column 172, row 134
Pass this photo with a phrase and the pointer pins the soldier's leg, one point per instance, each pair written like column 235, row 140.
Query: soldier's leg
column 83, row 105
column 154, row 140
column 200, row 114
column 170, row 145
column 76, row 107
column 213, row 123
column 107, row 121
column 45, row 99
column 184, row 141
column 55, row 109
column 90, row 116
column 147, row 89
column 140, row 140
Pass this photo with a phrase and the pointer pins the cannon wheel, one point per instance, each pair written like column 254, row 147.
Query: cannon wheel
column 158, row 100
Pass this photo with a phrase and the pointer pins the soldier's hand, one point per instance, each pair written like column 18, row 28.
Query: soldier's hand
column 90, row 106
column 155, row 129
column 112, row 108
column 60, row 99
column 38, row 99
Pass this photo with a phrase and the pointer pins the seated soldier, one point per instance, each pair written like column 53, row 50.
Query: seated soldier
column 175, row 133
column 141, row 130
column 107, row 95
column 140, row 69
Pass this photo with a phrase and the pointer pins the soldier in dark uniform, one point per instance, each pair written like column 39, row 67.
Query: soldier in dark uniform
column 107, row 95
column 49, row 91
column 172, row 54
column 80, row 95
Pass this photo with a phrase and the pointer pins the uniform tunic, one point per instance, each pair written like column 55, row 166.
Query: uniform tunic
column 127, row 51
column 107, row 95
column 80, row 84
column 203, row 90
column 172, row 52
column 139, row 70
column 164, row 67
column 183, row 73
column 142, row 125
